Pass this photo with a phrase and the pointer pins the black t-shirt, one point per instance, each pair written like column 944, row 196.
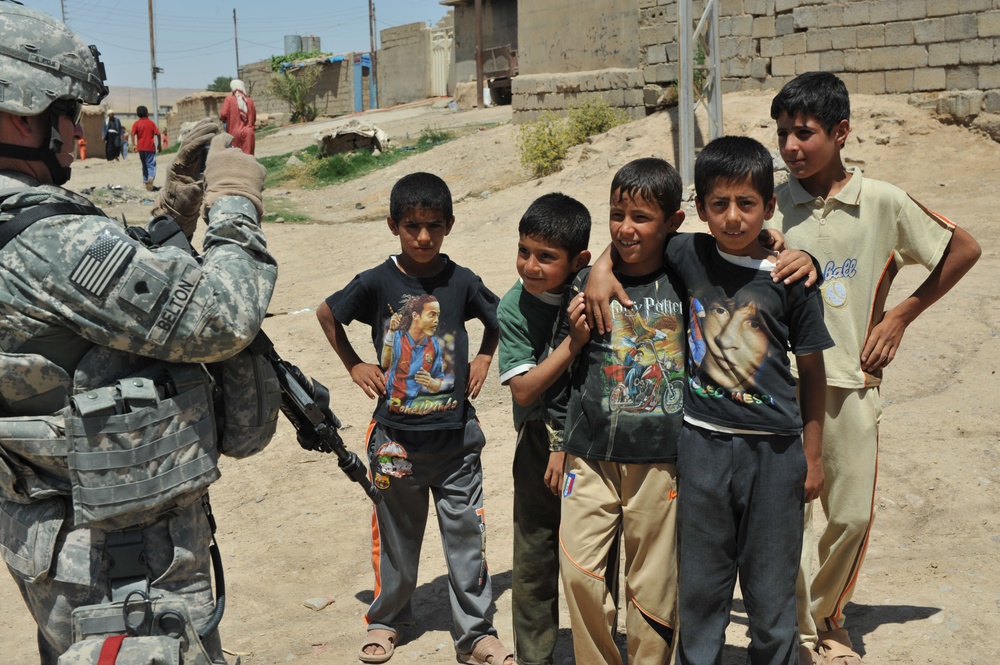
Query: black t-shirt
column 418, row 329
column 624, row 400
column 741, row 326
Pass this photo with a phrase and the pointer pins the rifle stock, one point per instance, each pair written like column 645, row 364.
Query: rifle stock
column 315, row 425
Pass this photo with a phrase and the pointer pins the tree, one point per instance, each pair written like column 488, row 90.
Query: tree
column 220, row 84
column 294, row 88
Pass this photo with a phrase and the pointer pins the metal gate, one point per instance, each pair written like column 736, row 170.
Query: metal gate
column 440, row 63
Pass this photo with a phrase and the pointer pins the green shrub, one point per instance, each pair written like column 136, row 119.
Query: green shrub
column 431, row 136
column 543, row 144
column 591, row 117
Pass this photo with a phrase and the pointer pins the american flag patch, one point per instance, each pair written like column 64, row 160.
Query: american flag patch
column 102, row 263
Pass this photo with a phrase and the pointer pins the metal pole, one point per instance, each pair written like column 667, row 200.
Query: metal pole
column 236, row 41
column 685, row 108
column 373, row 103
column 480, row 102
column 62, row 6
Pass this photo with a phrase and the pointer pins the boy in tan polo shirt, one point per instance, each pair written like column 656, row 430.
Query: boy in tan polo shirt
column 862, row 231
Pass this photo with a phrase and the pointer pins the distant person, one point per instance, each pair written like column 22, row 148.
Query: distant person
column 146, row 139
column 240, row 116
column 124, row 135
column 112, row 133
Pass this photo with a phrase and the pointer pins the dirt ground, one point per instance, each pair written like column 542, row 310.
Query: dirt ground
column 292, row 526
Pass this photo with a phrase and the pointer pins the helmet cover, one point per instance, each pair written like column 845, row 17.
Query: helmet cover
column 42, row 60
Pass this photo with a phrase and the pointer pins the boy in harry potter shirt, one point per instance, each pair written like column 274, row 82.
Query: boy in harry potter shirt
column 424, row 438
column 621, row 439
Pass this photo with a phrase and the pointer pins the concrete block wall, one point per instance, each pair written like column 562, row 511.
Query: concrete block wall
column 404, row 64
column 536, row 94
column 941, row 48
column 875, row 46
column 333, row 94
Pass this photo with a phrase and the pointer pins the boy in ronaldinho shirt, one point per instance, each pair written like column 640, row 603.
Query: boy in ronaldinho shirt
column 424, row 440
column 414, row 356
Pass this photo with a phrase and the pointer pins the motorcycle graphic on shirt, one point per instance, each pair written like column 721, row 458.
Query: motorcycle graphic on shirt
column 645, row 372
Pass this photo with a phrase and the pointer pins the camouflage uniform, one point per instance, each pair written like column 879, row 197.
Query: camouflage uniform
column 108, row 435
column 61, row 335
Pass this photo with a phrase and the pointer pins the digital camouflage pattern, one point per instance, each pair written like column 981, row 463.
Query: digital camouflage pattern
column 83, row 305
column 43, row 60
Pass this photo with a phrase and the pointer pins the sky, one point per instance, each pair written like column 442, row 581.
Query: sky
column 195, row 42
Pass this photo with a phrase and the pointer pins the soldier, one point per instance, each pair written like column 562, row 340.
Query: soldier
column 108, row 435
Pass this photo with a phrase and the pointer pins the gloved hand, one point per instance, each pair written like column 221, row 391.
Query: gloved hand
column 231, row 172
column 181, row 195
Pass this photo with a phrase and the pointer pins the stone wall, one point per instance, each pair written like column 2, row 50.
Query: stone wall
column 942, row 47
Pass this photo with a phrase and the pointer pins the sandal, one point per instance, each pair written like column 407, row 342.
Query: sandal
column 488, row 651
column 378, row 637
column 835, row 648
column 808, row 656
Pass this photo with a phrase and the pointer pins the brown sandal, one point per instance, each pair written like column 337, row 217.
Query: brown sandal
column 378, row 637
column 488, row 651
column 835, row 648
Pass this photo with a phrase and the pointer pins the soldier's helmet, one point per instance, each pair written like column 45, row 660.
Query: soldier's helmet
column 42, row 60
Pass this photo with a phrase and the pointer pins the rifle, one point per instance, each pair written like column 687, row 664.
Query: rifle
column 305, row 402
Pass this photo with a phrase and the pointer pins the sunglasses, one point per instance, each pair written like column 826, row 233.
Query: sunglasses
column 71, row 108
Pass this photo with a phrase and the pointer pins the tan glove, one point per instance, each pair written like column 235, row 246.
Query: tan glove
column 231, row 172
column 182, row 193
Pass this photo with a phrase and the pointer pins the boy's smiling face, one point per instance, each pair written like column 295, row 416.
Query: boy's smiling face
column 545, row 267
column 639, row 230
column 806, row 147
column 735, row 212
column 421, row 233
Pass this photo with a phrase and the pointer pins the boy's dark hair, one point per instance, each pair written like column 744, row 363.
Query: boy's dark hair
column 419, row 190
column 651, row 178
column 734, row 158
column 819, row 95
column 558, row 219
column 141, row 111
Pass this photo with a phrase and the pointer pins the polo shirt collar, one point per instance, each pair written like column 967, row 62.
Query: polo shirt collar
column 849, row 195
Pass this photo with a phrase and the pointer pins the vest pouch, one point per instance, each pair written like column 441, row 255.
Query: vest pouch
column 28, row 533
column 158, row 650
column 134, row 454
column 92, row 624
column 249, row 404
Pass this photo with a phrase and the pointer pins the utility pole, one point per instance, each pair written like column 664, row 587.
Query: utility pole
column 373, row 103
column 155, row 69
column 62, row 6
column 236, row 40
